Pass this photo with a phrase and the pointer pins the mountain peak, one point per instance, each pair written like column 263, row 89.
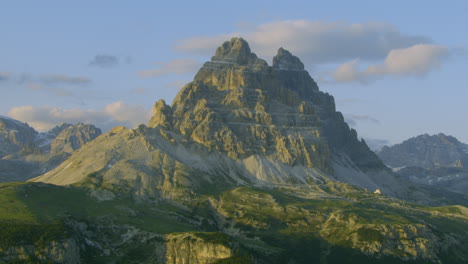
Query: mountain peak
column 284, row 60
column 236, row 51
column 426, row 151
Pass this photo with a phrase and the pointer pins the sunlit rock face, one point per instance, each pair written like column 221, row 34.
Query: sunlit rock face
column 239, row 105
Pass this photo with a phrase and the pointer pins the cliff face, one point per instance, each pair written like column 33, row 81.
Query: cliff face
column 73, row 137
column 240, row 106
column 16, row 137
column 190, row 248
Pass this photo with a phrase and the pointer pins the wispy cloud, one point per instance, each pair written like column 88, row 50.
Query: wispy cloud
column 352, row 119
column 364, row 52
column 315, row 42
column 118, row 113
column 416, row 60
column 56, row 84
column 177, row 84
column 60, row 79
column 52, row 79
column 58, row 91
column 177, row 66
column 139, row 91
column 104, row 61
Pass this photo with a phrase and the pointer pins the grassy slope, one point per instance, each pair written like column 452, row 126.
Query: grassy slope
column 31, row 213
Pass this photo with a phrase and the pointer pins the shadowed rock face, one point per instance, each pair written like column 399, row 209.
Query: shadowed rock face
column 16, row 137
column 438, row 160
column 427, row 152
column 284, row 60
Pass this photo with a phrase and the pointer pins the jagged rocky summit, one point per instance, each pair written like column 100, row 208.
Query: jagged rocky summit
column 436, row 160
column 26, row 153
column 426, row 151
column 240, row 121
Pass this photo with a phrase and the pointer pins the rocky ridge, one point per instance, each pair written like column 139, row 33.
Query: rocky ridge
column 426, row 151
column 438, row 161
column 26, row 153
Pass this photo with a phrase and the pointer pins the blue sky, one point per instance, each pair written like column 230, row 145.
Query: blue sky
column 396, row 69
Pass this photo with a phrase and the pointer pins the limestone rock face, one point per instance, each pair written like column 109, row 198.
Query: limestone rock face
column 239, row 105
column 189, row 248
column 237, row 51
column 73, row 137
column 162, row 115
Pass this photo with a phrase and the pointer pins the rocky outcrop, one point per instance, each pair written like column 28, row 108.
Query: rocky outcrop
column 408, row 242
column 284, row 60
column 73, row 137
column 64, row 251
column 192, row 248
column 16, row 138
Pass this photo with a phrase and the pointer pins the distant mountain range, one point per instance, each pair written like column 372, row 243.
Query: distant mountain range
column 437, row 160
column 26, row 153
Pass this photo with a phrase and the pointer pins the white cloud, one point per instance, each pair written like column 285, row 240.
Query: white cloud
column 416, row 60
column 177, row 66
column 315, row 42
column 118, row 113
